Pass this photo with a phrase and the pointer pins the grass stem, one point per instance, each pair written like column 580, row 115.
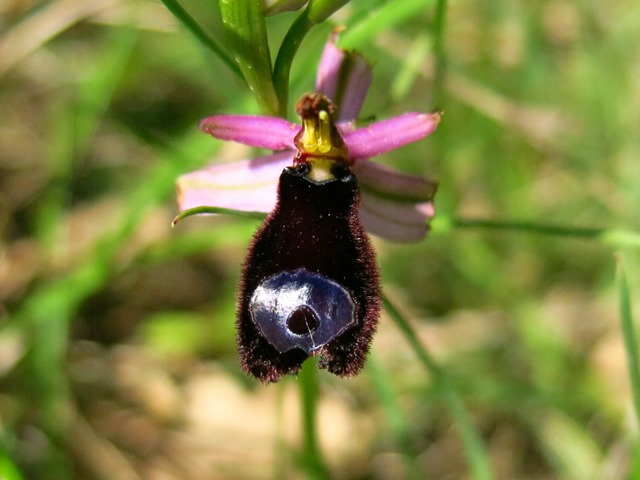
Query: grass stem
column 473, row 446
column 629, row 335
column 196, row 30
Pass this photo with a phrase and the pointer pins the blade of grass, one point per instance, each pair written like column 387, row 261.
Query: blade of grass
column 473, row 446
column 384, row 18
column 629, row 334
column 8, row 470
column 43, row 23
column 97, row 85
column 439, row 50
column 606, row 236
column 395, row 417
column 77, row 122
column 73, row 125
column 410, row 68
column 528, row 227
column 386, row 395
column 188, row 21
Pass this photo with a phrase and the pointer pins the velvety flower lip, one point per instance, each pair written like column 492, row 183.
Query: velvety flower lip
column 394, row 205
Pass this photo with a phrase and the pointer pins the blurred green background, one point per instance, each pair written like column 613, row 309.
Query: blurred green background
column 117, row 351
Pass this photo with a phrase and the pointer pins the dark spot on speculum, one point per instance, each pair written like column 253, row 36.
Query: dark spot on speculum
column 302, row 321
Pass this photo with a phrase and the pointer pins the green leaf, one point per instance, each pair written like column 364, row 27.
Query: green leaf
column 246, row 33
column 215, row 210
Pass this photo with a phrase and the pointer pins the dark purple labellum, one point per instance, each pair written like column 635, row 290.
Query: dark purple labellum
column 310, row 282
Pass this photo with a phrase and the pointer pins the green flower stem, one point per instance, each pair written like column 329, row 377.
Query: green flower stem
column 606, row 236
column 320, row 10
column 474, row 449
column 528, row 227
column 311, row 459
column 188, row 21
column 286, row 54
column 317, row 11
column 629, row 335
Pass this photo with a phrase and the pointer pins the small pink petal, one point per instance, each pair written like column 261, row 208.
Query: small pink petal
column 387, row 135
column 387, row 181
column 248, row 185
column 427, row 209
column 272, row 133
column 394, row 205
column 358, row 81
column 396, row 221
column 328, row 75
column 344, row 77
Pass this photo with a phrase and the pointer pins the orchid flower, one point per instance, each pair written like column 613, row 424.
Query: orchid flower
column 394, row 205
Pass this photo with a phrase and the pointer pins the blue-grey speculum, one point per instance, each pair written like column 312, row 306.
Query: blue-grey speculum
column 300, row 309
